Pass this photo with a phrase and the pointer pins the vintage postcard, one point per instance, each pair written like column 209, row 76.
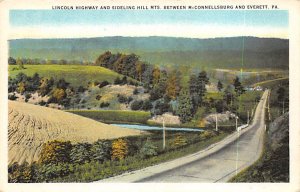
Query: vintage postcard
column 156, row 95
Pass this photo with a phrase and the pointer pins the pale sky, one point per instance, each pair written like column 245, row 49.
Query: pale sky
column 99, row 23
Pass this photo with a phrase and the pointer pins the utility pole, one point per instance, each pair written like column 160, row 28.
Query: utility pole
column 237, row 152
column 236, row 125
column 248, row 120
column 216, row 122
column 164, row 134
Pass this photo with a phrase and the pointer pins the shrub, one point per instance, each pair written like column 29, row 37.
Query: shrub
column 207, row 134
column 98, row 97
column 119, row 149
column 47, row 172
column 81, row 153
column 148, row 150
column 12, row 97
column 104, row 104
column 14, row 173
column 147, row 105
column 137, row 105
column 104, row 83
column 23, row 173
column 118, row 81
column 179, row 141
column 101, row 150
column 42, row 103
column 80, row 89
column 135, row 91
column 55, row 151
column 122, row 98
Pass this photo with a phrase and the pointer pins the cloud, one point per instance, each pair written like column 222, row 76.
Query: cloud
column 180, row 30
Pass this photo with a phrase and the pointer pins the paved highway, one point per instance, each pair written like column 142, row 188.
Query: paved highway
column 217, row 163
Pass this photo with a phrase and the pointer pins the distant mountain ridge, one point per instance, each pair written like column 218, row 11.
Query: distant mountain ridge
column 161, row 50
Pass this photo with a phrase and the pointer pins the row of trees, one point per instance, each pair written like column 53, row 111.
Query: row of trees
column 37, row 61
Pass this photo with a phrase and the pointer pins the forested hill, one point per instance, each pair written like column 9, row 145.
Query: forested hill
column 217, row 52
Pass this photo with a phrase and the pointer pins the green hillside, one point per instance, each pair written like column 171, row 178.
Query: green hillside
column 75, row 74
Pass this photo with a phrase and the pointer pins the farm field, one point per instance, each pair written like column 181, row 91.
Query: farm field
column 30, row 126
column 114, row 116
column 75, row 74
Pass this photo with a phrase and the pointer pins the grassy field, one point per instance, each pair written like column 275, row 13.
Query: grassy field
column 114, row 116
column 75, row 74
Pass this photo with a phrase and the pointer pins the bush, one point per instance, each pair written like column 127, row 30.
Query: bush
column 98, row 97
column 119, row 149
column 104, row 104
column 179, row 141
column 55, row 151
column 147, row 105
column 101, row 150
column 122, row 98
column 207, row 134
column 118, row 81
column 137, row 105
column 148, row 150
column 81, row 153
column 104, row 83
column 23, row 173
column 47, row 172
column 12, row 97
column 80, row 89
column 42, row 103
column 135, row 91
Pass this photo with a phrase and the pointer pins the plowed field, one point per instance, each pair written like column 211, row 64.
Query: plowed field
column 29, row 126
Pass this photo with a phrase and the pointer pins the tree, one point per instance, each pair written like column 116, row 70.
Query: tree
column 238, row 88
column 185, row 106
column 140, row 68
column 101, row 150
column 137, row 105
column 280, row 94
column 103, row 60
column 55, row 151
column 81, row 153
column 202, row 81
column 194, row 87
column 58, row 94
column 20, row 63
column 21, row 87
column 11, row 61
column 147, row 77
column 45, row 86
column 220, row 86
column 156, row 75
column 119, row 149
column 62, row 84
column 281, row 97
column 173, row 85
column 148, row 149
column 228, row 95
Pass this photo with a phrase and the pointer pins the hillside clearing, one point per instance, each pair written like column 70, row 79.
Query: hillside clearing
column 30, row 126
column 75, row 74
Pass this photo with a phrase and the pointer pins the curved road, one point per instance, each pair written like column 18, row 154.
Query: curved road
column 217, row 163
